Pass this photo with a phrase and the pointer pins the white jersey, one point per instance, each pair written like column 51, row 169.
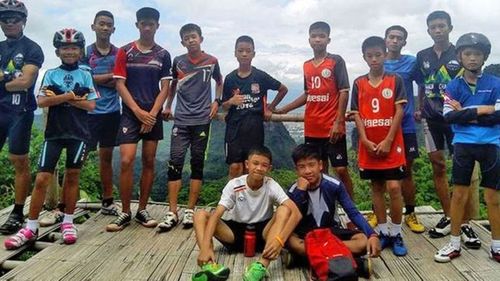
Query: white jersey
column 249, row 206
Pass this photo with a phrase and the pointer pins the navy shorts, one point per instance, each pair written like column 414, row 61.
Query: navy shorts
column 241, row 139
column 130, row 127
column 488, row 156
column 239, row 229
column 103, row 130
column 436, row 135
column 335, row 152
column 411, row 146
column 51, row 152
column 16, row 128
column 385, row 174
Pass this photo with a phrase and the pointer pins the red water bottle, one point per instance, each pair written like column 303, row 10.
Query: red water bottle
column 249, row 242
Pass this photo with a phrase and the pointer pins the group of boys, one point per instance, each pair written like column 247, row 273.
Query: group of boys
column 84, row 111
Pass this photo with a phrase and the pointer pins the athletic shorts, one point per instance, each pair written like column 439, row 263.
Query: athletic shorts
column 385, row 174
column 245, row 137
column 239, row 229
column 16, row 127
column 51, row 152
column 335, row 152
column 436, row 135
column 103, row 130
column 130, row 127
column 488, row 156
column 411, row 146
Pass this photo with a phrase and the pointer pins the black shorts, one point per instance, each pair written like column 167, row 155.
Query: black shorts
column 411, row 146
column 16, row 127
column 239, row 229
column 103, row 129
column 240, row 139
column 51, row 151
column 488, row 156
column 335, row 152
column 436, row 135
column 385, row 174
column 130, row 127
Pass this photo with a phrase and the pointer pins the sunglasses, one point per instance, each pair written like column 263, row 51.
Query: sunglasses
column 11, row 20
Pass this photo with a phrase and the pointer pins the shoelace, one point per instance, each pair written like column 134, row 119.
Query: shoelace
column 145, row 215
column 469, row 232
column 122, row 218
column 20, row 236
column 443, row 222
column 447, row 249
column 189, row 214
column 412, row 218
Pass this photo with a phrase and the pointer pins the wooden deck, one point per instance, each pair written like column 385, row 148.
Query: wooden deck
column 138, row 253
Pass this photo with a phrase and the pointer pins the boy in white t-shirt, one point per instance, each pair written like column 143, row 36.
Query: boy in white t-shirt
column 246, row 200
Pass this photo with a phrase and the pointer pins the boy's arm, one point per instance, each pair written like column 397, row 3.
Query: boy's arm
column 88, row 105
column 298, row 194
column 282, row 91
column 24, row 81
column 206, row 249
column 298, row 102
column 384, row 147
column 218, row 95
column 339, row 122
column 167, row 111
column 46, row 101
column 352, row 212
column 105, row 80
column 143, row 116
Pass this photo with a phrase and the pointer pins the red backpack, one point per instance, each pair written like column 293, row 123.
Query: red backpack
column 329, row 257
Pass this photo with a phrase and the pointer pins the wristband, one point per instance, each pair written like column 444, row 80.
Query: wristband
column 279, row 241
column 218, row 101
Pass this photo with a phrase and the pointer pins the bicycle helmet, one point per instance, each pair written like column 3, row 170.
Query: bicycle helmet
column 13, row 7
column 475, row 40
column 68, row 36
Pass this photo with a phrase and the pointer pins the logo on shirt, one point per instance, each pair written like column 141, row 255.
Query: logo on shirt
column 68, row 80
column 426, row 65
column 399, row 149
column 18, row 61
column 255, row 88
column 453, row 65
column 326, row 73
column 387, row 93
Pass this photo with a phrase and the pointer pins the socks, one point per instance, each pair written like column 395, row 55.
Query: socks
column 495, row 245
column 107, row 201
column 18, row 209
column 395, row 229
column 455, row 241
column 409, row 209
column 32, row 225
column 68, row 218
column 61, row 207
column 383, row 228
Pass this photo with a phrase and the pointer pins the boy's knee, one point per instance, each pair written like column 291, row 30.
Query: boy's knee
column 126, row 162
column 394, row 190
column 174, row 171
column 42, row 179
column 201, row 216
column 19, row 162
column 342, row 171
column 460, row 195
column 491, row 198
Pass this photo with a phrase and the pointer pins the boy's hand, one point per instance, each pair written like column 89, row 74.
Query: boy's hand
column 336, row 132
column 455, row 104
column 213, row 109
column 485, row 109
column 267, row 115
column 52, row 90
column 145, row 117
column 302, row 183
column 417, row 115
column 373, row 247
column 349, row 116
column 145, row 129
column 370, row 146
column 166, row 113
column 383, row 148
column 237, row 98
column 272, row 249
column 81, row 91
column 279, row 111
column 205, row 256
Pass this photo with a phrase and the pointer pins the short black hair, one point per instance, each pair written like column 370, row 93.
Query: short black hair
column 104, row 13
column 147, row 13
column 439, row 15
column 321, row 25
column 373, row 41
column 262, row 151
column 190, row 27
column 306, row 151
column 244, row 39
column 399, row 28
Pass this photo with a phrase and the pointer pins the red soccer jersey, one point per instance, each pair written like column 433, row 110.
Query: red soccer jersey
column 322, row 84
column 376, row 106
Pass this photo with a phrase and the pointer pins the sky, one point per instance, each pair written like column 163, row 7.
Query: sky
column 279, row 27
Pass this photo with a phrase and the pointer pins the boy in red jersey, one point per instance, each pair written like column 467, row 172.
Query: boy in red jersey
column 326, row 92
column 377, row 104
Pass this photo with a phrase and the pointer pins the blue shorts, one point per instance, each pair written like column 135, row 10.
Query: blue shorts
column 488, row 156
column 16, row 127
column 51, row 152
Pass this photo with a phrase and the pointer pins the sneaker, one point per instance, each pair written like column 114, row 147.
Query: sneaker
column 469, row 237
column 145, row 219
column 13, row 224
column 69, row 233
column 187, row 220
column 372, row 219
column 119, row 223
column 443, row 228
column 256, row 271
column 212, row 272
column 111, row 210
column 169, row 221
column 398, row 246
column 447, row 253
column 385, row 240
column 495, row 255
column 413, row 223
column 364, row 269
column 51, row 218
column 22, row 237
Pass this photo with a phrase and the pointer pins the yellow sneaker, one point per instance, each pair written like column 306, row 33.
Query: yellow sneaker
column 413, row 223
column 372, row 219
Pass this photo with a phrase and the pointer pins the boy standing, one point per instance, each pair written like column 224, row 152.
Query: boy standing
column 245, row 98
column 105, row 118
column 326, row 92
column 139, row 69
column 247, row 200
column 69, row 94
column 406, row 67
column 20, row 60
column 377, row 103
column 316, row 195
column 472, row 106
column 192, row 73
